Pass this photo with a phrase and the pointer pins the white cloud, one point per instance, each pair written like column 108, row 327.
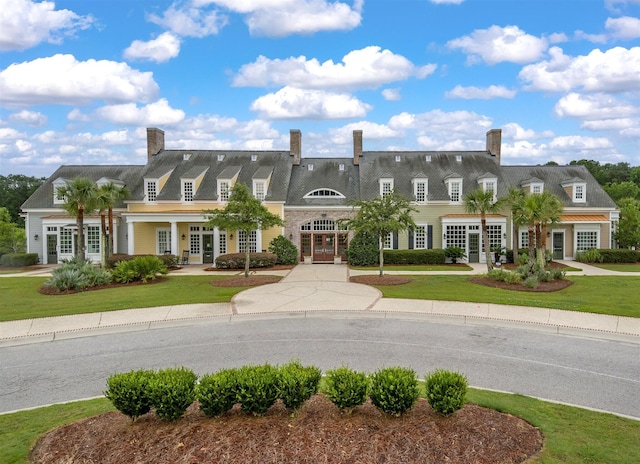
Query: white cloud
column 189, row 21
column 161, row 49
column 25, row 24
column 391, row 94
column 279, row 18
column 154, row 114
column 8, row 134
column 448, row 125
column 620, row 125
column 447, row 2
column 498, row 44
column 615, row 70
column 293, row 103
column 580, row 144
column 30, row 118
column 589, row 107
column 515, row 131
column 594, row 38
column 487, row 93
column 624, row 28
column 369, row 67
column 61, row 79
column 370, row 131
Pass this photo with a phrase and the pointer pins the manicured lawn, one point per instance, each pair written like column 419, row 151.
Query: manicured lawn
column 21, row 299
column 620, row 267
column 594, row 294
column 414, row 268
column 572, row 435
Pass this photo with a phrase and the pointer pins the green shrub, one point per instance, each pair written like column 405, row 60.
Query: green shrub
column 19, row 259
column 394, row 390
column 115, row 259
column 523, row 258
column 363, row 250
column 257, row 388
column 77, row 274
column 297, row 383
column 217, row 392
column 557, row 274
column 513, row 278
column 169, row 260
column 498, row 274
column 445, row 390
column 619, row 256
column 531, row 281
column 454, row 253
column 433, row 256
column 589, row 256
column 141, row 268
column 237, row 260
column 346, row 388
column 286, row 251
column 172, row 391
column 129, row 392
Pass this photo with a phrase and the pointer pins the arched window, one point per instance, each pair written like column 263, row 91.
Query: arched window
column 324, row 193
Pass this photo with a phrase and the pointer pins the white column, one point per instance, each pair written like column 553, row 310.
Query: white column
column 175, row 250
column 216, row 244
column 130, row 238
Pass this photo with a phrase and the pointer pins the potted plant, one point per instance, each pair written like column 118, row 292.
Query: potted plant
column 454, row 253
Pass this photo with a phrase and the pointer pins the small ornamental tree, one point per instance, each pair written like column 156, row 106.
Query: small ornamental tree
column 628, row 233
column 379, row 217
column 243, row 212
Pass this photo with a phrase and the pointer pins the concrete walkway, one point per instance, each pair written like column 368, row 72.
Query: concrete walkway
column 309, row 289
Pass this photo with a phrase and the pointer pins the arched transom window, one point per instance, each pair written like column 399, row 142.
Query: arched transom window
column 319, row 225
column 324, row 193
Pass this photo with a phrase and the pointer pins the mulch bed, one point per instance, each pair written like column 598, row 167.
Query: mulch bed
column 318, row 433
column 377, row 280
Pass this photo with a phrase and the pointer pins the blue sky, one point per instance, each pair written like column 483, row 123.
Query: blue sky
column 80, row 80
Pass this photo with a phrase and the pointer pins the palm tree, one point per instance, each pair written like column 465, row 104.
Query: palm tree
column 514, row 198
column 108, row 195
column 79, row 198
column 481, row 202
column 549, row 209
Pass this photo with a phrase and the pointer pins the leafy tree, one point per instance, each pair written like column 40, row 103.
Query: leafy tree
column 15, row 189
column 481, row 202
column 620, row 190
column 80, row 197
column 628, row 233
column 380, row 217
column 107, row 196
column 243, row 212
column 13, row 238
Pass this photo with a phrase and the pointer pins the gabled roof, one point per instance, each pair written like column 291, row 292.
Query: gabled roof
column 326, row 174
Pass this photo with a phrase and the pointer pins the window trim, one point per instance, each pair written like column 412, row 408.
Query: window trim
column 450, row 182
column 183, row 190
column 334, row 194
column 147, row 183
column 226, row 192
column 583, row 187
column 262, row 182
column 382, row 182
column 416, row 182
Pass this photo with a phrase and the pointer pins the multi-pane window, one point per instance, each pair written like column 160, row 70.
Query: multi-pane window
column 457, row 236
column 586, row 240
column 420, row 237
column 163, row 241
column 386, row 187
column 495, row 236
column 259, row 190
column 66, row 240
column 536, row 188
column 388, row 242
column 324, row 193
column 455, row 188
column 187, row 187
column 420, row 190
column 152, row 190
column 524, row 239
column 490, row 186
column 242, row 241
column 93, row 239
column 223, row 193
column 222, row 240
column 578, row 193
column 194, row 240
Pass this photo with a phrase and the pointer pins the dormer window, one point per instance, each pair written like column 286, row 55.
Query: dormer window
column 224, row 188
column 187, row 190
column 386, row 187
column 454, row 187
column 420, row 190
column 259, row 189
column 578, row 193
column 536, row 188
column 151, row 189
column 58, row 199
column 576, row 188
column 489, row 183
column 324, row 193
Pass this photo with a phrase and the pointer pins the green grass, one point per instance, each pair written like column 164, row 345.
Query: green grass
column 572, row 435
column 619, row 267
column 594, row 294
column 21, row 299
column 414, row 268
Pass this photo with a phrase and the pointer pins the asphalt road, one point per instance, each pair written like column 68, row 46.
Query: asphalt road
column 594, row 373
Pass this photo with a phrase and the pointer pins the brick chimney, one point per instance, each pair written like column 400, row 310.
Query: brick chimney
column 357, row 146
column 155, row 142
column 295, row 142
column 494, row 143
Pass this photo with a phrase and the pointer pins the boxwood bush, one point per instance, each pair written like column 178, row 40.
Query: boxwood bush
column 445, row 390
column 172, row 391
column 363, row 250
column 217, row 393
column 434, row 256
column 19, row 259
column 237, row 260
column 619, row 256
column 346, row 388
column 394, row 390
column 286, row 252
column 297, row 383
column 129, row 392
column 257, row 388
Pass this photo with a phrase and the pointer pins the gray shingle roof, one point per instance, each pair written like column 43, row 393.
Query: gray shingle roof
column 326, row 174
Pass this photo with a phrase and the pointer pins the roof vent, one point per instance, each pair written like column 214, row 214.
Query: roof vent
column 310, row 167
column 186, row 156
column 427, row 158
column 341, row 166
column 458, row 158
column 220, row 157
column 398, row 158
column 254, row 157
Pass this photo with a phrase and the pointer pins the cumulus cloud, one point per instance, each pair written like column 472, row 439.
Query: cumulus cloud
column 624, row 28
column 370, row 131
column 161, row 49
column 61, row 79
column 30, row 118
column 580, row 144
column 279, row 18
column 498, row 44
column 25, row 24
column 154, row 114
column 369, row 67
column 391, row 94
column 515, row 131
column 189, row 21
column 486, row 93
column 615, row 70
column 597, row 106
column 452, row 124
column 293, row 103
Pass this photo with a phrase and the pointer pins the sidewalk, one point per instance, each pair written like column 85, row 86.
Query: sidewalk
column 321, row 288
